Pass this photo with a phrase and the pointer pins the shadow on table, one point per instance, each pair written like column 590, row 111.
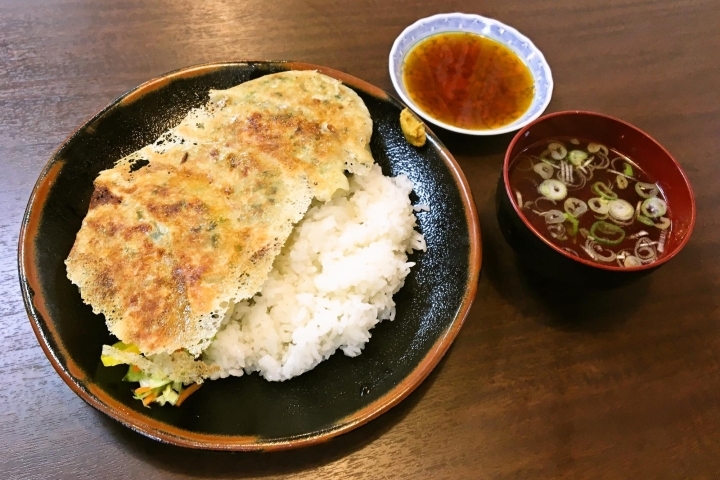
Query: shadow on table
column 589, row 308
column 585, row 309
column 211, row 464
column 460, row 144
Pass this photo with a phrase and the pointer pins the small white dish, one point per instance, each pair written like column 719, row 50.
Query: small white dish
column 486, row 27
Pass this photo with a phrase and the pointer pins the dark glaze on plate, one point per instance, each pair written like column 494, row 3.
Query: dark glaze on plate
column 249, row 413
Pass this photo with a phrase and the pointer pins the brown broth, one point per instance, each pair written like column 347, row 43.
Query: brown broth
column 468, row 81
column 524, row 180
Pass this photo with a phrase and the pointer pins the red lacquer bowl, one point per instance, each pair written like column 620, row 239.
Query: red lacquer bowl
column 655, row 160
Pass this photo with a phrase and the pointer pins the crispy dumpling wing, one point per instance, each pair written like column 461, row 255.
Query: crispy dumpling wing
column 181, row 228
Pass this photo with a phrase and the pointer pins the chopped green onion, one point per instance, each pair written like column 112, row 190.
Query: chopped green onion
column 646, row 220
column 554, row 216
column 621, row 210
column 632, row 261
column 607, row 233
column 597, row 147
column 574, row 223
column 644, row 250
column 576, row 157
column 628, row 170
column 646, row 190
column 545, row 170
column 622, row 182
column 557, row 151
column 553, row 189
column 575, row 206
column 598, row 205
column 664, row 223
column 604, row 191
column 654, row 207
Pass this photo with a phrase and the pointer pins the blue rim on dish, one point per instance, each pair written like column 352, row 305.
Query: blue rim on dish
column 486, row 27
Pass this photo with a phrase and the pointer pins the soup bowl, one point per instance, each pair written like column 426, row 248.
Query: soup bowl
column 549, row 260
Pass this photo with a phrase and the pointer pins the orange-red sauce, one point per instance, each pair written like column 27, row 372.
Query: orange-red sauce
column 468, row 81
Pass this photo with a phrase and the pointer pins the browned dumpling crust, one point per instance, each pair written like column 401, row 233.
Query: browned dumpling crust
column 166, row 247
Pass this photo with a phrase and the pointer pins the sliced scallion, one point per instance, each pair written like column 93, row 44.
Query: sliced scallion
column 596, row 147
column 544, row 170
column 557, row 150
column 607, row 233
column 664, row 223
column 598, row 205
column 575, row 206
column 631, row 261
column 603, row 191
column 647, row 221
column 577, row 157
column 554, row 216
column 646, row 190
column 574, row 223
column 622, row 182
column 553, row 189
column 644, row 250
column 628, row 170
column 621, row 210
column 654, row 207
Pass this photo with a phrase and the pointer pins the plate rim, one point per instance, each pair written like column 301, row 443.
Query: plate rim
column 97, row 398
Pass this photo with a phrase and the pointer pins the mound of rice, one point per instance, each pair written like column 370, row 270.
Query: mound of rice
column 332, row 283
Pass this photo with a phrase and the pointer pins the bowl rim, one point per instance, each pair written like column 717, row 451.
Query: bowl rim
column 508, row 191
column 72, row 375
column 495, row 131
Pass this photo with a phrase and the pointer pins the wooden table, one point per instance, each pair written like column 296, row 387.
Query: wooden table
column 625, row 384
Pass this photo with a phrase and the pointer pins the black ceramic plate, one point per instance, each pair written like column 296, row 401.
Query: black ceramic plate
column 249, row 413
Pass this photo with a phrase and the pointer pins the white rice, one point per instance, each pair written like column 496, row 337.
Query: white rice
column 332, row 283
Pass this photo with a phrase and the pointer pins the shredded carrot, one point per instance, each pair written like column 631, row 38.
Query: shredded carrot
column 147, row 400
column 134, row 369
column 186, row 393
column 141, row 390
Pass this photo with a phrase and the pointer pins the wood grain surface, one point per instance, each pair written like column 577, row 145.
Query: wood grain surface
column 613, row 384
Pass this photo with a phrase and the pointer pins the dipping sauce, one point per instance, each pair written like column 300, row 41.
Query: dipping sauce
column 591, row 201
column 468, row 81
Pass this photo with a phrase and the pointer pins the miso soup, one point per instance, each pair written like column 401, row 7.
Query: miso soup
column 591, row 201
